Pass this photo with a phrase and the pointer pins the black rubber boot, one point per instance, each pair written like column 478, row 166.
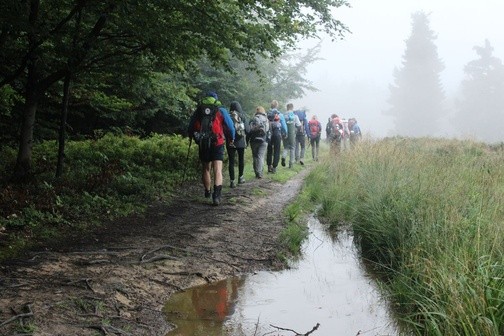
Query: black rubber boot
column 217, row 195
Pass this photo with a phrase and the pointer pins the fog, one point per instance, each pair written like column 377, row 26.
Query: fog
column 354, row 74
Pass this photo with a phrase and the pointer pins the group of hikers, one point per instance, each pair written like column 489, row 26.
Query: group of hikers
column 216, row 129
column 342, row 133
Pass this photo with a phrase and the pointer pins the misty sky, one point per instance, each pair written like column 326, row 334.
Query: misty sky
column 354, row 76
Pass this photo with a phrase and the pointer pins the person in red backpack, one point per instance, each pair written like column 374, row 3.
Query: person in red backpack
column 209, row 126
column 314, row 131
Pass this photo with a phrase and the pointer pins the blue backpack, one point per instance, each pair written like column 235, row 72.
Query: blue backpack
column 302, row 118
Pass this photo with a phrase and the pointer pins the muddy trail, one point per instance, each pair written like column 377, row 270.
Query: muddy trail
column 117, row 280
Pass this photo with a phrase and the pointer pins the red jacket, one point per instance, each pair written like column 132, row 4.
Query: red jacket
column 222, row 126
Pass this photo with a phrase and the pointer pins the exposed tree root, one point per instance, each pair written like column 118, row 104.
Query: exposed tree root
column 86, row 281
column 108, row 329
column 157, row 258
column 18, row 316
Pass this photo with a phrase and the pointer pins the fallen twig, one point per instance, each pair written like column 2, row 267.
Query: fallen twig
column 295, row 332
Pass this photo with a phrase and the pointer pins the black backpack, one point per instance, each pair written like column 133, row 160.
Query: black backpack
column 206, row 113
column 275, row 125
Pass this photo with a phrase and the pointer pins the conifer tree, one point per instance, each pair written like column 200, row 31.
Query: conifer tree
column 417, row 95
column 480, row 110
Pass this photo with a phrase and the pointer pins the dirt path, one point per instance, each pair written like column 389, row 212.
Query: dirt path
column 116, row 282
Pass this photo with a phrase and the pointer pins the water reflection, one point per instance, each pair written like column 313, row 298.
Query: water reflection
column 202, row 310
column 327, row 286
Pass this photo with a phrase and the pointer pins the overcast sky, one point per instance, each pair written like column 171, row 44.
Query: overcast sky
column 354, row 76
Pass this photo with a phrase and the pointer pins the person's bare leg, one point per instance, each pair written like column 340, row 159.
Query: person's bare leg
column 217, row 170
column 207, row 178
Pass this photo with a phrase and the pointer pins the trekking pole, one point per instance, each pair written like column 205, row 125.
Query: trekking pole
column 187, row 158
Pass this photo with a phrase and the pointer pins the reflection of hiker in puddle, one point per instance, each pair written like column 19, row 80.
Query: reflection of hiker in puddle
column 216, row 301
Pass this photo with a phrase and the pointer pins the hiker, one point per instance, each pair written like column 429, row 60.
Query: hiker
column 336, row 133
column 301, row 133
column 278, row 129
column 345, row 136
column 207, row 126
column 238, row 146
column 289, row 141
column 328, row 129
column 314, row 131
column 355, row 131
column 258, row 139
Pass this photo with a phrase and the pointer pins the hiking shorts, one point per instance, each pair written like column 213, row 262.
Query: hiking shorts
column 214, row 153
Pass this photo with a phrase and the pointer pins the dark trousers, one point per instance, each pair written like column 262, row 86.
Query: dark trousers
column 315, row 147
column 273, row 151
column 241, row 161
column 300, row 147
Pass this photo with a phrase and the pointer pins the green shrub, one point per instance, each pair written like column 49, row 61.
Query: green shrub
column 103, row 178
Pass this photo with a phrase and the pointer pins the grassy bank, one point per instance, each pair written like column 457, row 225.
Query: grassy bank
column 429, row 214
column 104, row 179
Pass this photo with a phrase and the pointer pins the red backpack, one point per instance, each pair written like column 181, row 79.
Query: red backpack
column 337, row 129
column 315, row 128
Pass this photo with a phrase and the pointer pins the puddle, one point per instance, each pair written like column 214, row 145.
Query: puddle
column 327, row 286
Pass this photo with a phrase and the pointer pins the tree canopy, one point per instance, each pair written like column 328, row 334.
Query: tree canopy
column 94, row 43
column 416, row 96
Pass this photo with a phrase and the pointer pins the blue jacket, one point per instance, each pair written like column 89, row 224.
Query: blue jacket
column 226, row 129
column 229, row 123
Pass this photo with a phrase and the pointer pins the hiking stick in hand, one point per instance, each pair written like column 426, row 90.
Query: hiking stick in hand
column 187, row 159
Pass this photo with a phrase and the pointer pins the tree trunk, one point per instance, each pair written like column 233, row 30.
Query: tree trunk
column 22, row 171
column 62, row 128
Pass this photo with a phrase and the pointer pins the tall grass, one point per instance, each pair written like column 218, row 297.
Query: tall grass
column 429, row 213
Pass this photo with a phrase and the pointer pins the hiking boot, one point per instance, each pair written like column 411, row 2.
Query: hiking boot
column 273, row 170
column 208, row 193
column 270, row 169
column 301, row 162
column 241, row 180
column 232, row 184
column 283, row 162
column 216, row 197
